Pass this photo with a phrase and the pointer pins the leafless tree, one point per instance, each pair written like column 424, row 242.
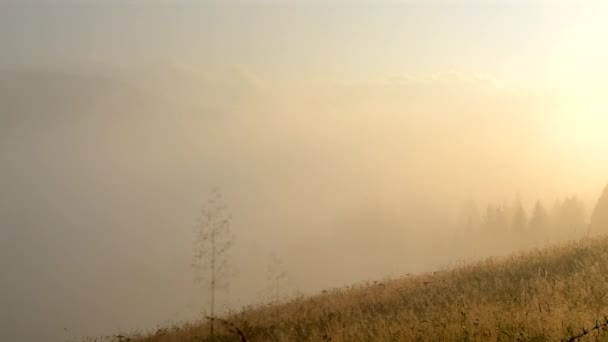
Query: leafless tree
column 211, row 250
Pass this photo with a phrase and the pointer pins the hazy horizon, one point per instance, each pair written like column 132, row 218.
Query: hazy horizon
column 346, row 140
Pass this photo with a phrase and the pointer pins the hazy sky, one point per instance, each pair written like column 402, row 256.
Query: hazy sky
column 514, row 41
column 331, row 127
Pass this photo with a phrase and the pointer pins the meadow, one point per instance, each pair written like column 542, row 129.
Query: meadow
column 550, row 294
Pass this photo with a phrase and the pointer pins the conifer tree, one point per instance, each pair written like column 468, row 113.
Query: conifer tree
column 599, row 218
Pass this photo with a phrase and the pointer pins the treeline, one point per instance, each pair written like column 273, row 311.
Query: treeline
column 508, row 226
column 566, row 216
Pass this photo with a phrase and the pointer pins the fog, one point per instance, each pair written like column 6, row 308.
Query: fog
column 105, row 166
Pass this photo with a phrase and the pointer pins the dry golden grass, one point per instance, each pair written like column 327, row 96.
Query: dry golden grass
column 542, row 295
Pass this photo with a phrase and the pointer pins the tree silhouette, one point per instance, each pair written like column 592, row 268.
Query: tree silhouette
column 495, row 219
column 568, row 217
column 519, row 217
column 599, row 218
column 538, row 221
column 211, row 250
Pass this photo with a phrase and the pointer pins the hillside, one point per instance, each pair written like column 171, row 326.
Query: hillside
column 549, row 294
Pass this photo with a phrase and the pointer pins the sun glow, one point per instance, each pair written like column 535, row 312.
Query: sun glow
column 578, row 73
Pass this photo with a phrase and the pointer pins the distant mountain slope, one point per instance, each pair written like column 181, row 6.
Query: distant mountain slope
column 543, row 295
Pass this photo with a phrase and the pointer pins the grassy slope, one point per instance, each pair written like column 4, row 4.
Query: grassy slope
column 547, row 294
